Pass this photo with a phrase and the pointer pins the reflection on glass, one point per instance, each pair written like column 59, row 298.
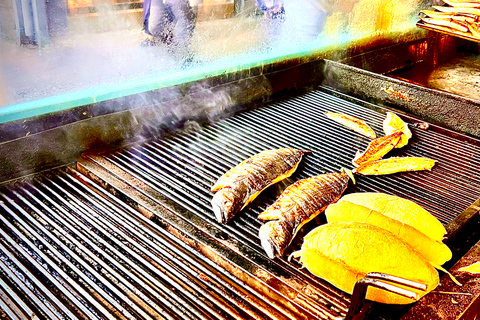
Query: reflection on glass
column 66, row 47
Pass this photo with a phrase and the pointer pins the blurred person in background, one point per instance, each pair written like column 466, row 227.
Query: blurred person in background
column 305, row 19
column 171, row 23
column 3, row 90
column 272, row 9
column 274, row 13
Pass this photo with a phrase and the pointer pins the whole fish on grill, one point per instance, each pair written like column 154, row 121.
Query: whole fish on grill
column 242, row 184
column 304, row 200
column 297, row 205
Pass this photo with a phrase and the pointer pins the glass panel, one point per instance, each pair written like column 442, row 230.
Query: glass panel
column 62, row 49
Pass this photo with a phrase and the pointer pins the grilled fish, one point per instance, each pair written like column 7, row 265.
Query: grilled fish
column 242, row 184
column 394, row 123
column 352, row 123
column 394, row 165
column 378, row 148
column 467, row 4
column 458, row 10
column 448, row 15
column 453, row 24
column 297, row 205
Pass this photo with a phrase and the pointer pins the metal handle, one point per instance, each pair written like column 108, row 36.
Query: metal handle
column 376, row 279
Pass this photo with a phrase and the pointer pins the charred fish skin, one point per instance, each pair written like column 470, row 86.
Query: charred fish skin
column 298, row 204
column 242, row 184
column 277, row 162
column 225, row 205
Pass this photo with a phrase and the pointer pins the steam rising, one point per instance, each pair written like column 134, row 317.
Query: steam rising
column 200, row 103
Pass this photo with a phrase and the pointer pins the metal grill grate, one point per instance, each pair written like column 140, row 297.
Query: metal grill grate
column 70, row 249
column 184, row 167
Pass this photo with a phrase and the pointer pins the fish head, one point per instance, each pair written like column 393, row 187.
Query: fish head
column 225, row 204
column 274, row 238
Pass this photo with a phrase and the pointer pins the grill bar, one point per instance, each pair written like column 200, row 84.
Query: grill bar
column 403, row 186
column 449, row 173
column 197, row 257
column 104, row 268
column 280, row 283
column 135, row 169
column 152, row 239
column 17, row 275
column 10, row 307
column 461, row 155
column 427, row 148
column 45, row 244
column 86, row 241
column 22, row 273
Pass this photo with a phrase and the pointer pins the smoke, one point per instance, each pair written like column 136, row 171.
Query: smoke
column 190, row 105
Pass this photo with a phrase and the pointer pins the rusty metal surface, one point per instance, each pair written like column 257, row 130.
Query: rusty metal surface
column 389, row 58
column 452, row 111
column 450, row 301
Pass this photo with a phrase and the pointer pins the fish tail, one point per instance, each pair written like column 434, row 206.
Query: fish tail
column 349, row 174
column 294, row 254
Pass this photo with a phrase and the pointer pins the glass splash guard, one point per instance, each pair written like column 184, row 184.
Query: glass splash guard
column 57, row 55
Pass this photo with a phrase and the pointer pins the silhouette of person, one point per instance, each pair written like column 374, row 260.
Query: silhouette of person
column 305, row 19
column 170, row 22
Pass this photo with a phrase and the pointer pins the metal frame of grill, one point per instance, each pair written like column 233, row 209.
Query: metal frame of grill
column 130, row 234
